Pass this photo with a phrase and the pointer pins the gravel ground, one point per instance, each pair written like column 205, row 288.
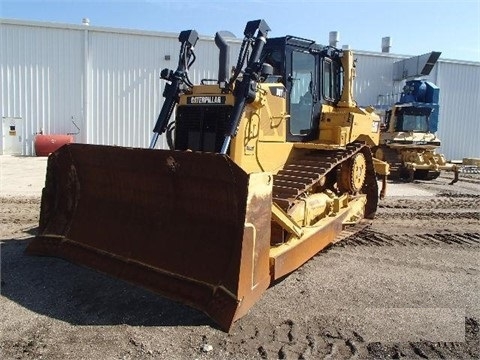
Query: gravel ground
column 405, row 287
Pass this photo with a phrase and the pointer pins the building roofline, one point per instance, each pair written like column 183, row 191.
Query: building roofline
column 128, row 31
column 81, row 27
column 112, row 30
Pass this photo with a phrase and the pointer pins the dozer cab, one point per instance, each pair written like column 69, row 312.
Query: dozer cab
column 408, row 141
column 267, row 167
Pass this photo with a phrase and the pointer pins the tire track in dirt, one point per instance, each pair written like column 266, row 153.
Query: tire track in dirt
column 291, row 340
column 368, row 237
column 446, row 213
column 428, row 215
column 434, row 203
column 470, row 349
column 297, row 340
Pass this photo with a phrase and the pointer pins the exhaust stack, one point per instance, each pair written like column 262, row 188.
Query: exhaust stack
column 223, row 59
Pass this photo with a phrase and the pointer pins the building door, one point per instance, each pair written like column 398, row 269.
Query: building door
column 12, row 136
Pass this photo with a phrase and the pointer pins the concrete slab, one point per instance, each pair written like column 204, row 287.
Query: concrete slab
column 406, row 190
column 22, row 175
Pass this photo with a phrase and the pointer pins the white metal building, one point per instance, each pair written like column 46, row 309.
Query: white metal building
column 54, row 77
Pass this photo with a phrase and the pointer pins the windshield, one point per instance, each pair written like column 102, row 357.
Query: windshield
column 413, row 119
column 415, row 123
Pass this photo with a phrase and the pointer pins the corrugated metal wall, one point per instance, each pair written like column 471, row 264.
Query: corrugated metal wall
column 459, row 116
column 124, row 86
column 41, row 76
column 379, row 89
column 107, row 81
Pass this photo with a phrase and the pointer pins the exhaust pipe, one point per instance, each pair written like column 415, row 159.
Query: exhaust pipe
column 223, row 60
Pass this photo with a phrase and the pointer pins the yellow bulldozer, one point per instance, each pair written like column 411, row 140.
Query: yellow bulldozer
column 268, row 165
column 408, row 140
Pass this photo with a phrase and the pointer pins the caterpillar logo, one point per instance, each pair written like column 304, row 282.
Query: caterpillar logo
column 207, row 100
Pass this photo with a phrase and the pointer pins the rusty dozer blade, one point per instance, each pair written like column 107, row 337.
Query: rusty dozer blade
column 192, row 226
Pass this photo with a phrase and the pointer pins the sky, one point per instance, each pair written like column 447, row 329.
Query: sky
column 415, row 27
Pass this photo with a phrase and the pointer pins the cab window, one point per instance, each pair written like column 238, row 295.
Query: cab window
column 301, row 92
column 328, row 80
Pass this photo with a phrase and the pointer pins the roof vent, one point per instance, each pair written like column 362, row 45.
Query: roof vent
column 386, row 44
column 333, row 38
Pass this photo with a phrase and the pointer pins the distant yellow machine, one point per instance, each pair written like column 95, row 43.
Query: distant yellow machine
column 408, row 141
column 266, row 168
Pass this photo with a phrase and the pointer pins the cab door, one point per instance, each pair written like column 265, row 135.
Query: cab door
column 303, row 96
